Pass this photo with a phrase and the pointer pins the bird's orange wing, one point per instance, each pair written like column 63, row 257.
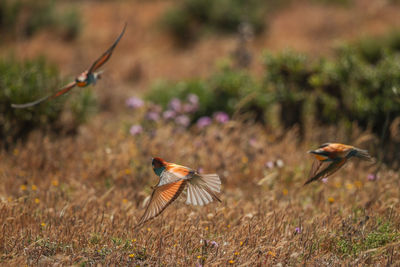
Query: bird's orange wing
column 179, row 170
column 329, row 170
column 315, row 167
column 64, row 90
column 106, row 55
column 160, row 199
column 58, row 93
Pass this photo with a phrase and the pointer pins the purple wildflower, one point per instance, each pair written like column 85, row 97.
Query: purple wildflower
column 214, row 244
column 193, row 99
column 372, row 177
column 203, row 122
column 297, row 230
column 153, row 116
column 134, row 102
column 169, row 114
column 324, row 180
column 221, row 117
column 135, row 129
column 269, row 164
column 175, row 104
column 189, row 108
column 200, row 170
column 182, row 120
column 253, row 142
column 156, row 108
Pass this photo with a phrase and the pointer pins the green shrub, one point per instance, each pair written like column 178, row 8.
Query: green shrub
column 26, row 17
column 39, row 14
column 223, row 91
column 69, row 24
column 190, row 18
column 360, row 84
column 22, row 82
column 9, row 11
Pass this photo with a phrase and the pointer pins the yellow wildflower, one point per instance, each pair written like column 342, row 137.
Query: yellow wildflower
column 349, row 186
column 128, row 171
column 43, row 224
column 124, row 201
column 23, row 187
column 199, row 257
column 34, row 187
column 37, row 201
column 131, row 255
column 231, row 261
column 54, row 183
column 331, row 200
column 236, row 253
column 16, row 152
column 285, row 191
column 241, row 243
column 271, row 253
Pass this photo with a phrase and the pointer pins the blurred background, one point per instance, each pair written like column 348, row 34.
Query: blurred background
column 282, row 63
column 241, row 88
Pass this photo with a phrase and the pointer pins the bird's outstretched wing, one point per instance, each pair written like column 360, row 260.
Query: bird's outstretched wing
column 160, row 199
column 106, row 56
column 315, row 167
column 57, row 94
column 325, row 172
column 175, row 172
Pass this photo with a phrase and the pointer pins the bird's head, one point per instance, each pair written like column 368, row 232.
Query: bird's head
column 320, row 153
column 158, row 165
column 82, row 77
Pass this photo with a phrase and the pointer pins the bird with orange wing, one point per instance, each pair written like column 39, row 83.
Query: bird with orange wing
column 330, row 157
column 201, row 188
column 86, row 78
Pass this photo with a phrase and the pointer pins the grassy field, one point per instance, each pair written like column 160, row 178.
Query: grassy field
column 74, row 199
column 77, row 200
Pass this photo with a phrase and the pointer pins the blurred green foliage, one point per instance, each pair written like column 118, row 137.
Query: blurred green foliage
column 223, row 91
column 360, row 84
column 26, row 17
column 22, row 82
column 189, row 18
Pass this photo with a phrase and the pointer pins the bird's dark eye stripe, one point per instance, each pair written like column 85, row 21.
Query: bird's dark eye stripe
column 324, row 145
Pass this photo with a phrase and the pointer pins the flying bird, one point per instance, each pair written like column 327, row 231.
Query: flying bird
column 86, row 78
column 174, row 178
column 333, row 156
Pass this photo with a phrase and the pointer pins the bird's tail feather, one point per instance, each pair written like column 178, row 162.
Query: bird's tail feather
column 363, row 154
column 202, row 189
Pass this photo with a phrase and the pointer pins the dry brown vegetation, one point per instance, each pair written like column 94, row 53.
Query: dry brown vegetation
column 75, row 200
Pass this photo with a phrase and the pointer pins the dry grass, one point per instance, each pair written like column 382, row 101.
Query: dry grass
column 76, row 201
